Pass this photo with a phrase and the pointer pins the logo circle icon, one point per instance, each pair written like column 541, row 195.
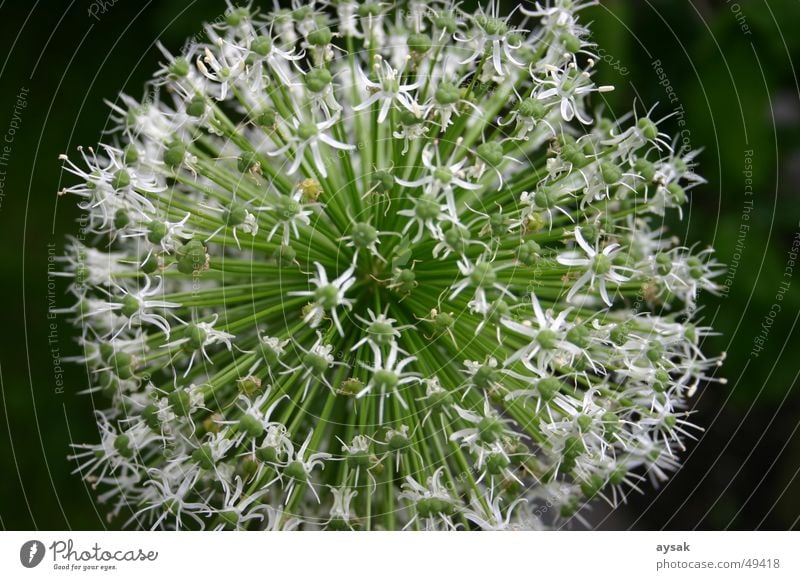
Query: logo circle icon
column 31, row 553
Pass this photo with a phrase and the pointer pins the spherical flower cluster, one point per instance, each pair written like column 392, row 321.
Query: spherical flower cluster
column 363, row 265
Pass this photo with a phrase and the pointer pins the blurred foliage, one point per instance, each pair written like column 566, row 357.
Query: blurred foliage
column 738, row 90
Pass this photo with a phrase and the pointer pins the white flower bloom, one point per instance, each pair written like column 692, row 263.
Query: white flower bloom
column 307, row 134
column 493, row 518
column 313, row 365
column 237, row 508
column 328, row 295
column 599, row 266
column 482, row 275
column 547, row 334
column 137, row 307
column 266, row 51
column 426, row 215
column 225, row 68
column 568, row 86
column 380, row 331
column 342, row 497
column 389, row 378
column 433, row 502
column 301, row 464
column 492, row 34
column 442, row 179
column 169, row 500
column 289, row 213
column 388, row 90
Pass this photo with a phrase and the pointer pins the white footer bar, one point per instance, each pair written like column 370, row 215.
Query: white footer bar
column 384, row 556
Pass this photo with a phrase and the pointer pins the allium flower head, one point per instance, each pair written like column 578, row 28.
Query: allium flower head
column 383, row 266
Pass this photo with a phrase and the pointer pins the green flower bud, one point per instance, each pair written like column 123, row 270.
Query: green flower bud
column 645, row 168
column 405, row 281
column 320, row 36
column 174, row 154
column 364, row 235
column 318, row 79
column 661, row 381
column 235, row 215
column 579, row 335
column 655, row 351
column 266, row 119
column 447, row 94
column 296, row 471
column 248, row 161
column 150, row 265
column 204, row 457
column 192, row 257
column 350, row 387
column 398, row 442
column 491, row 153
column 356, row 459
column 496, row 463
column 382, row 182
column 250, row 425
column 150, row 418
column 490, row 429
column 648, row 128
column 548, row 388
column 592, row 486
column 573, row 154
column 584, row 423
column 180, row 403
column 249, row 386
column 442, row 322
column 483, row 275
column 528, row 253
column 314, row 362
column 130, row 306
column 179, row 68
column 385, row 380
column 695, row 267
column 571, row 43
column 663, row 264
column 369, row 9
column 601, row 264
column 307, row 130
column 196, row 106
column 419, row 43
column 610, row 172
column 408, row 118
column 121, row 179
column 446, row 21
column 122, row 445
column 267, row 454
column 548, row 339
column 131, row 154
column 197, row 337
column 156, row 231
column 677, row 193
column 237, row 16
column 531, row 108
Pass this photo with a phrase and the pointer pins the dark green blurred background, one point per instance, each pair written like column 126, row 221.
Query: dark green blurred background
column 726, row 65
